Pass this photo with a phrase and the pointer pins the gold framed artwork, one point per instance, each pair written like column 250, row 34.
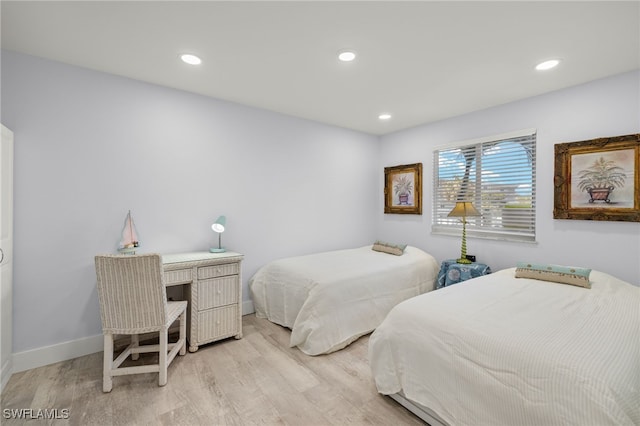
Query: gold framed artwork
column 598, row 179
column 403, row 189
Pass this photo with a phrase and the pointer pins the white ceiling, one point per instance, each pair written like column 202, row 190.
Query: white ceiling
column 420, row 61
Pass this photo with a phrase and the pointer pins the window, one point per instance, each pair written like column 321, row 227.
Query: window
column 498, row 175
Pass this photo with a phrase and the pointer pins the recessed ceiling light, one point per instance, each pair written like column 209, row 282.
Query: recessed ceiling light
column 547, row 65
column 190, row 59
column 346, row 55
column 384, row 116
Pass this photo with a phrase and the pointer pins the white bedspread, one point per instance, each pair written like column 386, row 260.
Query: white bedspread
column 498, row 350
column 330, row 299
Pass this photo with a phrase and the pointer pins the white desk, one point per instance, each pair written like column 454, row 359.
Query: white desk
column 213, row 287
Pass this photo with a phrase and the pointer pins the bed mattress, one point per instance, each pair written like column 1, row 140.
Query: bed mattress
column 330, row 299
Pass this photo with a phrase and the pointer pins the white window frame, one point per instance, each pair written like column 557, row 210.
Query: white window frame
column 493, row 222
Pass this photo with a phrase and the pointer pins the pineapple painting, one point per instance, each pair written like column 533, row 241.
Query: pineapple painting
column 602, row 177
column 402, row 189
column 598, row 175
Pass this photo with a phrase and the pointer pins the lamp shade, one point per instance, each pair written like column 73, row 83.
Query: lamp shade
column 463, row 209
column 218, row 225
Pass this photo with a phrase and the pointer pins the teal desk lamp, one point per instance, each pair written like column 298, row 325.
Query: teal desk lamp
column 218, row 226
column 464, row 209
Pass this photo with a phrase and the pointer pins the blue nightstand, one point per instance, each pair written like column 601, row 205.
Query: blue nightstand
column 452, row 272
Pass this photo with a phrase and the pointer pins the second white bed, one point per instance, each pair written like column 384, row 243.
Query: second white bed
column 330, row 299
column 501, row 350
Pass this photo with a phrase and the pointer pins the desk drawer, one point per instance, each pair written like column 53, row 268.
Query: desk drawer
column 218, row 323
column 218, row 270
column 181, row 276
column 217, row 292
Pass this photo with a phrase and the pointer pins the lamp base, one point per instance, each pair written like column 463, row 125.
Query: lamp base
column 217, row 250
column 464, row 261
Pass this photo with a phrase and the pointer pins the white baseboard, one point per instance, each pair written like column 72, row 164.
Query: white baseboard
column 6, row 372
column 46, row 355
column 68, row 350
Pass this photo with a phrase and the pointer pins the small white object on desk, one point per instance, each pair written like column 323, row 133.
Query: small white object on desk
column 218, row 226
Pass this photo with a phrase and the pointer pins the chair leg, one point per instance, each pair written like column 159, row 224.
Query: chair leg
column 135, row 342
column 107, row 383
column 183, row 332
column 164, row 343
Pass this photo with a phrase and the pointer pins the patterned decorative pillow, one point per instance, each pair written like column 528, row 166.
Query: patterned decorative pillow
column 397, row 249
column 555, row 273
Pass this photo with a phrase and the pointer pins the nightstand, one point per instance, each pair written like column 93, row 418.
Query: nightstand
column 452, row 272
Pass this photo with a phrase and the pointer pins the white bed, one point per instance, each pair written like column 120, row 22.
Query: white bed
column 330, row 299
column 500, row 350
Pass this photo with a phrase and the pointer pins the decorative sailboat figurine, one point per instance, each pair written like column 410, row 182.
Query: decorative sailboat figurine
column 129, row 240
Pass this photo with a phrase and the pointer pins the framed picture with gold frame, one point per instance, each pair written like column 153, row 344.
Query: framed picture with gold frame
column 403, row 189
column 598, row 179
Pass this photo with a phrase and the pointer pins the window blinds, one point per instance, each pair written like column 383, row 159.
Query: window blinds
column 497, row 174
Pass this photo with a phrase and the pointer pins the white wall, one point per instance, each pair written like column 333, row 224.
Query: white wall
column 90, row 146
column 602, row 108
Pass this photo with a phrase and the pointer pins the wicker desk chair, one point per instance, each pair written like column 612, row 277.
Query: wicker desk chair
column 133, row 300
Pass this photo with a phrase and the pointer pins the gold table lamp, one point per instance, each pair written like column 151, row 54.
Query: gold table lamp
column 464, row 209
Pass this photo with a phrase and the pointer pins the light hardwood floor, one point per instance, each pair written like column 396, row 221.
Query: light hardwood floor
column 257, row 380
